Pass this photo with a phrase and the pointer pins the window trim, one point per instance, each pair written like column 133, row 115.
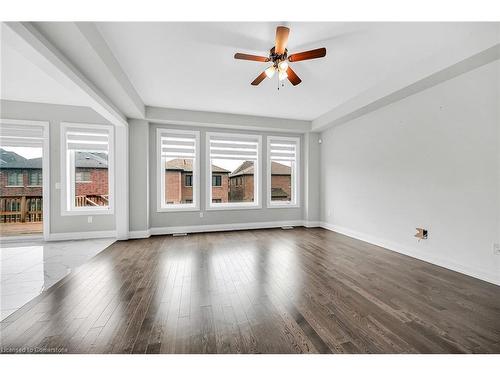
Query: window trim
column 295, row 203
column 67, row 178
column 257, row 203
column 160, row 181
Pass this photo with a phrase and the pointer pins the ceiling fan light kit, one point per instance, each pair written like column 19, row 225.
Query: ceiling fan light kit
column 278, row 55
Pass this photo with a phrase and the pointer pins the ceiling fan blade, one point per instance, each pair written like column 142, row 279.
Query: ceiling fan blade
column 281, row 41
column 293, row 77
column 259, row 79
column 244, row 56
column 307, row 55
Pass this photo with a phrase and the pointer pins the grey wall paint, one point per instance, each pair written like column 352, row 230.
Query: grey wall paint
column 431, row 160
column 225, row 120
column 311, row 177
column 139, row 175
column 169, row 219
column 55, row 114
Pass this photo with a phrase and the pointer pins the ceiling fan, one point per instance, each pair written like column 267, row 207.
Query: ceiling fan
column 278, row 56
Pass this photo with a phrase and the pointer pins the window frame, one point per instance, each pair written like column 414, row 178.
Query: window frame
column 190, row 175
column 257, row 203
column 220, row 179
column 9, row 173
column 295, row 183
column 39, row 178
column 68, row 176
column 160, row 180
column 83, row 181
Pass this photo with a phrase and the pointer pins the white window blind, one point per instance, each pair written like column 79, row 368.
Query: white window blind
column 283, row 150
column 182, row 146
column 21, row 136
column 90, row 140
column 233, row 148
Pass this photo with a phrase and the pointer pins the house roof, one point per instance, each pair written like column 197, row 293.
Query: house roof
column 247, row 168
column 12, row 160
column 186, row 165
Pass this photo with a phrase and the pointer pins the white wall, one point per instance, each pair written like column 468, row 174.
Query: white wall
column 429, row 160
column 55, row 114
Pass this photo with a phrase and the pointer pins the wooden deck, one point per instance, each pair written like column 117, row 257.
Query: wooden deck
column 20, row 229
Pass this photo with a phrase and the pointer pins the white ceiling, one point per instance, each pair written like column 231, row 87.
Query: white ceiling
column 23, row 79
column 191, row 66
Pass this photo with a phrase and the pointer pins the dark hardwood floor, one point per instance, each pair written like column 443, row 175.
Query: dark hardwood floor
column 261, row 291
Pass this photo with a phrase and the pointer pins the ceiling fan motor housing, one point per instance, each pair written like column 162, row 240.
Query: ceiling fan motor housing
column 276, row 58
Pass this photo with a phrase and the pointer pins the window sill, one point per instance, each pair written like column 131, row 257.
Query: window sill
column 34, row 186
column 88, row 212
column 177, row 209
column 274, row 205
column 14, row 186
column 223, row 207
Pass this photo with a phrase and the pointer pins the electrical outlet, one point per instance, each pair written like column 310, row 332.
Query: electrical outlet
column 496, row 248
column 89, row 219
column 201, row 214
column 58, row 186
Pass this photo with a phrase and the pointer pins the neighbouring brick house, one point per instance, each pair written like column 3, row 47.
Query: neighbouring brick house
column 179, row 182
column 91, row 175
column 241, row 182
column 21, row 184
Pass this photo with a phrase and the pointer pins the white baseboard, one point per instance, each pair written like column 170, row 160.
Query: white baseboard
column 139, row 234
column 414, row 253
column 224, row 227
column 81, row 235
column 311, row 224
column 183, row 229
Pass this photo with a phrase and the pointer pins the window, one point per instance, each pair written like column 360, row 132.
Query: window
column 283, row 171
column 35, row 178
column 87, row 169
column 82, row 176
column 15, row 178
column 216, row 180
column 235, row 158
column 178, row 169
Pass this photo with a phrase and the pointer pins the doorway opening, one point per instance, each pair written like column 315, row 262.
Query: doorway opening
column 23, row 182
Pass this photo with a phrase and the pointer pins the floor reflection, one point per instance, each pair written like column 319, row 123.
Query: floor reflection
column 29, row 269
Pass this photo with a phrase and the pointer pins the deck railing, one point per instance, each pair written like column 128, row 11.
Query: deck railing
column 30, row 209
column 21, row 209
column 91, row 200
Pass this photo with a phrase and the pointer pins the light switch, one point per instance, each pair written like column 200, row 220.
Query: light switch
column 89, row 219
column 58, row 186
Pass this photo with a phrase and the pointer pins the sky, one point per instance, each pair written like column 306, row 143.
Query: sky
column 230, row 165
column 26, row 152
